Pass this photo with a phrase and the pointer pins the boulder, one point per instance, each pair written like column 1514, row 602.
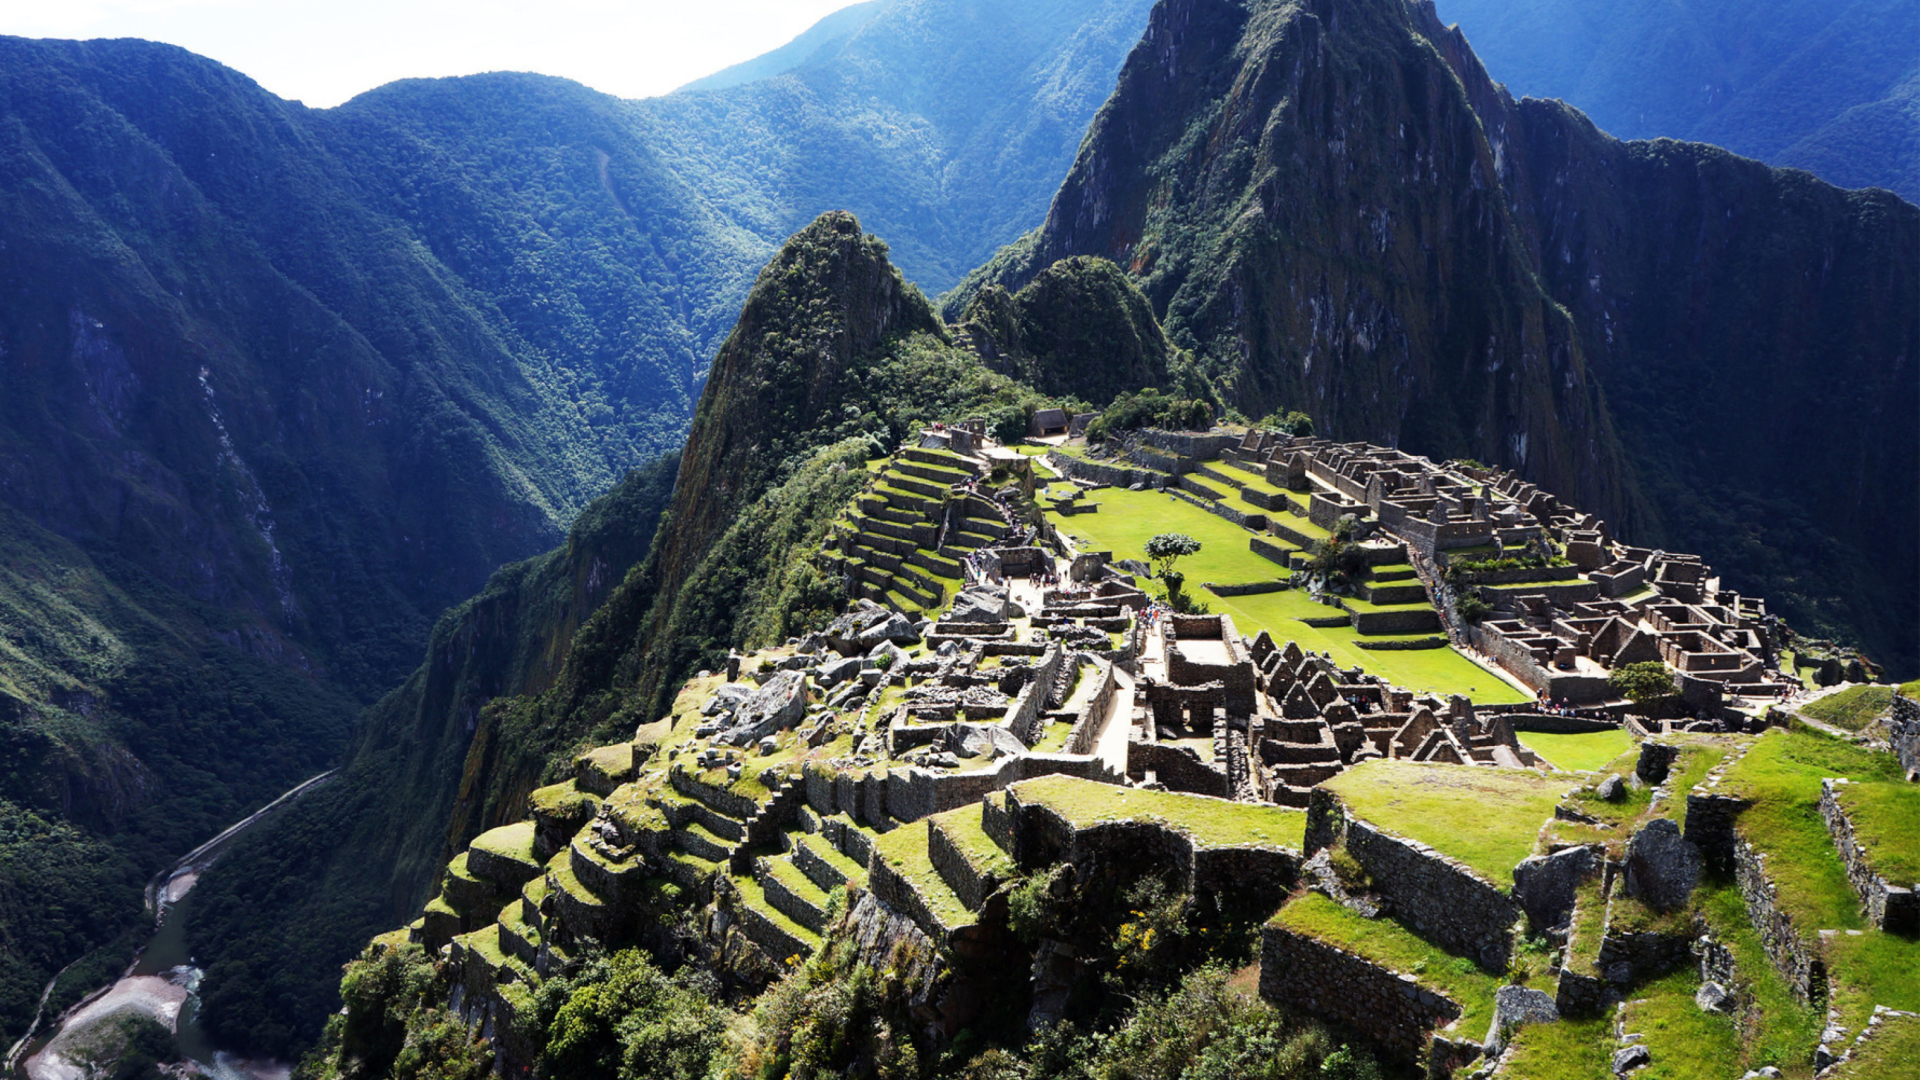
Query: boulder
column 1544, row 884
column 1633, row 1057
column 895, row 628
column 1713, row 998
column 980, row 740
column 1612, row 789
column 833, row 672
column 1514, row 1007
column 1662, row 866
column 844, row 633
column 970, row 608
column 779, row 704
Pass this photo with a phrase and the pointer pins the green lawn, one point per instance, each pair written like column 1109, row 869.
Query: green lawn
column 1245, row 477
column 1578, row 753
column 1391, row 945
column 1853, row 708
column 1886, row 818
column 1784, row 1031
column 1127, row 519
column 1211, row 822
column 1486, row 818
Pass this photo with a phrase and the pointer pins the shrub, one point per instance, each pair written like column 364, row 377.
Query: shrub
column 1472, row 608
column 1291, row 422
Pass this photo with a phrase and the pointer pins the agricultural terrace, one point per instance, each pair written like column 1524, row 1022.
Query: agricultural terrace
column 1127, row 519
column 1208, row 821
column 1781, row 774
column 1487, row 818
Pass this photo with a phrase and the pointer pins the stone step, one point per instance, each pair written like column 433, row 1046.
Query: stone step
column 462, row 889
column 694, row 839
column 1396, row 593
column 518, row 938
column 1306, row 776
column 895, row 515
column 933, row 474
column 682, row 806
column 824, row 864
column 984, row 527
column 690, row 871
column 791, row 892
column 850, row 839
column 903, row 875
column 575, row 906
column 611, row 879
column 937, row 565
column 908, row 500
column 926, row 489
column 945, row 459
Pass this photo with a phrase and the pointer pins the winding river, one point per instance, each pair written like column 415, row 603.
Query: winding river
column 161, row 982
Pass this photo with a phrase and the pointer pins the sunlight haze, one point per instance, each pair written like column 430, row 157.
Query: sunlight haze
column 323, row 52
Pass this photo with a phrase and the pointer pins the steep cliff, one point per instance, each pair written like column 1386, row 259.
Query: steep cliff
column 1332, row 205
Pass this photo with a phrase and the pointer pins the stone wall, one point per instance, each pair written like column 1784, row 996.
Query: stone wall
column 1903, row 729
column 1212, row 506
column 1797, row 958
column 1558, row 725
column 1255, row 588
column 1268, row 551
column 1298, row 972
column 1101, row 473
column 909, row 794
column 1442, row 898
column 1178, row 768
column 1187, row 444
column 1710, row 827
column 1246, row 877
column 1087, row 725
column 1891, row 907
column 1410, row 621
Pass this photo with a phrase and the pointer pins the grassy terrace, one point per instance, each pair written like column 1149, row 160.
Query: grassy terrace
column 1784, row 1030
column 1391, row 945
column 904, row 850
column 1853, row 708
column 1128, row 518
column 1782, row 775
column 1210, row 822
column 1488, row 819
column 1890, row 1053
column 1579, row 753
column 1886, row 818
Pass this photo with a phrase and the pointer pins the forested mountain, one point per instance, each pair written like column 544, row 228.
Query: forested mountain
column 1333, row 208
column 279, row 385
column 1832, row 88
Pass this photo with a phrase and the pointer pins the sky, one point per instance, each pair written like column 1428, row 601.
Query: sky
column 323, row 52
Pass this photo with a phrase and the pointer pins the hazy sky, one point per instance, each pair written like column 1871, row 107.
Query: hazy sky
column 323, row 52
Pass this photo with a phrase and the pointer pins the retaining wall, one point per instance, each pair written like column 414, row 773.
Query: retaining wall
column 1442, row 898
column 1890, row 907
column 1797, row 958
column 1301, row 973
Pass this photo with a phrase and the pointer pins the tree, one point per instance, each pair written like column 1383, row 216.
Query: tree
column 1642, row 682
column 1166, row 549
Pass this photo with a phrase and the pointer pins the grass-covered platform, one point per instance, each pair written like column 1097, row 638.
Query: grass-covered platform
column 1392, row 945
column 1487, row 818
column 1585, row 752
column 1209, row 822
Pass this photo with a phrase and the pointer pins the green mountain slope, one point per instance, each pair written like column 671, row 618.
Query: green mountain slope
column 1824, row 87
column 278, row 386
column 1333, row 207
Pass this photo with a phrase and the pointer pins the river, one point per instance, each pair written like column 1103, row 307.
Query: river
column 163, row 980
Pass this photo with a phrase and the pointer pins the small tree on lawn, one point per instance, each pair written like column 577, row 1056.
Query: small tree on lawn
column 1642, row 682
column 1167, row 549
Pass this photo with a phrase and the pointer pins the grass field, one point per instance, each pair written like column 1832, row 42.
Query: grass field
column 1685, row 1040
column 1578, row 753
column 1486, row 818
